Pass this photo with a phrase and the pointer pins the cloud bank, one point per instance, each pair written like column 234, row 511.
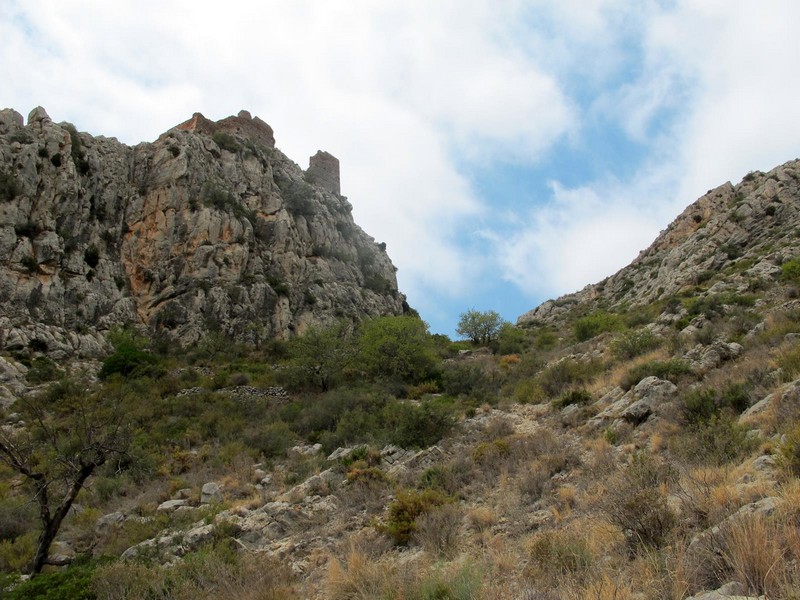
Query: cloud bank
column 628, row 109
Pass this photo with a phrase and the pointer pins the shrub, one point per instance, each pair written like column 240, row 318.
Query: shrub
column 29, row 229
column 468, row 380
column 437, row 530
column 592, row 325
column 397, row 348
column 637, row 502
column 16, row 554
column 700, row 405
column 367, row 476
column 566, row 373
column 411, row 426
column 273, row 440
column 78, row 153
column 43, row 370
column 226, row 141
column 73, row 583
column 92, row 256
column 579, row 396
column 298, row 196
column 559, row 552
column 404, row 511
column 29, row 262
column 789, row 452
column 790, row 270
column 10, row 187
column 672, row 370
column 719, row 440
column 510, row 340
column 634, row 343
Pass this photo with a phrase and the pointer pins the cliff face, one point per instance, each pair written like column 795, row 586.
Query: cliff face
column 209, row 228
column 735, row 236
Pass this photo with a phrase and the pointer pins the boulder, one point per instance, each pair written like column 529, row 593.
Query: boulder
column 171, row 505
column 210, row 493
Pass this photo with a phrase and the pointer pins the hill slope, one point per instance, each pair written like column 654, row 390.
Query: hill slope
column 733, row 236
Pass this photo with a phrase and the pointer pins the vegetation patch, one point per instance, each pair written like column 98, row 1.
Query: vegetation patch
column 593, row 325
column 10, row 187
column 673, row 370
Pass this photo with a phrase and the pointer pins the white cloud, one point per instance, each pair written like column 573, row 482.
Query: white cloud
column 401, row 93
column 411, row 96
column 715, row 97
column 583, row 234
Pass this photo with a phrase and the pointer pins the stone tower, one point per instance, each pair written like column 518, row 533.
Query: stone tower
column 323, row 170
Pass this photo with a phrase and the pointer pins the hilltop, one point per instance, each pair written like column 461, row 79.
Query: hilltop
column 210, row 228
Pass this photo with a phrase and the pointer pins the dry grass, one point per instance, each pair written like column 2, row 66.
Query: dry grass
column 613, row 376
column 358, row 577
column 481, row 519
column 753, row 553
column 204, row 577
column 438, row 531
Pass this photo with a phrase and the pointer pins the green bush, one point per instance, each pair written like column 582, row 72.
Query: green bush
column 634, row 343
column 558, row 552
column 463, row 379
column 416, row 426
column 592, row 325
column 404, row 511
column 579, row 396
column 789, row 452
column 73, row 583
column 42, row 370
column 560, row 376
column 700, row 405
column 672, row 369
column 790, row 270
column 226, row 141
column 126, row 361
column 397, row 348
column 272, row 440
column 719, row 440
column 510, row 340
column 78, row 153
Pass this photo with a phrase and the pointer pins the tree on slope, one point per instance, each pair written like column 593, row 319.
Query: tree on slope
column 481, row 328
column 58, row 448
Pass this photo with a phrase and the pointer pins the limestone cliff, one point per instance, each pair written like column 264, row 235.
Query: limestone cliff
column 209, row 228
column 744, row 232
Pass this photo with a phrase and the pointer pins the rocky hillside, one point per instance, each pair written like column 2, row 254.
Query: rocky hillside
column 209, row 228
column 639, row 439
column 736, row 235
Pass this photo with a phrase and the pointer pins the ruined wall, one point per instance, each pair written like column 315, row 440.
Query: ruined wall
column 323, row 170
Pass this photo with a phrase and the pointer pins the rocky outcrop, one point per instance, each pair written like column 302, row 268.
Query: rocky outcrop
column 209, row 228
column 734, row 235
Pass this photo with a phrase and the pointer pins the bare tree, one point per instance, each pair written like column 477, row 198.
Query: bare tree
column 57, row 449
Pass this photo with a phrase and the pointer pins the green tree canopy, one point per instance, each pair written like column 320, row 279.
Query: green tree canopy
column 479, row 327
column 321, row 354
column 398, row 348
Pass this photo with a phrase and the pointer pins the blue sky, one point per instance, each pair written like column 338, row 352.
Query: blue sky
column 506, row 152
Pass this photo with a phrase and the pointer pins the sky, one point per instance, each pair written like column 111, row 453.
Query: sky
column 506, row 152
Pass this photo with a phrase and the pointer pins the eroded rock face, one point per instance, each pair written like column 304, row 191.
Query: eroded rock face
column 209, row 228
column 745, row 231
